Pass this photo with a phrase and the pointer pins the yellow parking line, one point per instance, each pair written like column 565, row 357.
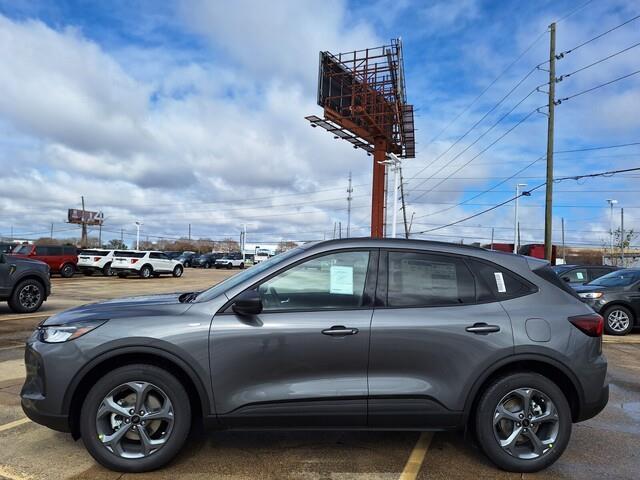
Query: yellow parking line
column 10, row 425
column 25, row 317
column 414, row 463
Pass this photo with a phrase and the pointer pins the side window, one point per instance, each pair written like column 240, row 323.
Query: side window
column 155, row 255
column 599, row 272
column 331, row 281
column 55, row 250
column 43, row 251
column 501, row 283
column 421, row 280
column 577, row 275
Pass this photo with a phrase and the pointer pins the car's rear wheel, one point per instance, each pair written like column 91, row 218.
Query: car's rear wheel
column 146, row 271
column 67, row 270
column 177, row 271
column 135, row 418
column 229, row 265
column 27, row 297
column 523, row 422
column 242, row 266
column 618, row 320
column 106, row 270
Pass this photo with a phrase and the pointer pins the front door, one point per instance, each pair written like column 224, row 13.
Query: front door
column 303, row 360
column 432, row 333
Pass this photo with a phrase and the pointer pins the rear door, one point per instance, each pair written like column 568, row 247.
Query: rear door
column 303, row 360
column 435, row 329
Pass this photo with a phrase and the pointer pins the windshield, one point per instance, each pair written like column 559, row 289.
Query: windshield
column 22, row 250
column 621, row 278
column 245, row 275
column 560, row 268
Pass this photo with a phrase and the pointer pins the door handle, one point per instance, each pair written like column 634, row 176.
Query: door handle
column 482, row 328
column 339, row 331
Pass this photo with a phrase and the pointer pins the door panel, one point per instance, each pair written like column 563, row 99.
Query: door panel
column 279, row 368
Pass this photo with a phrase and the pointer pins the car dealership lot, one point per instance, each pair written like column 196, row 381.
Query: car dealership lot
column 604, row 447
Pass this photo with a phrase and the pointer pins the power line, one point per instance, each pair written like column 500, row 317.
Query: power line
column 559, row 101
column 599, row 36
column 459, row 139
column 566, row 75
column 572, row 12
column 587, row 149
column 528, row 192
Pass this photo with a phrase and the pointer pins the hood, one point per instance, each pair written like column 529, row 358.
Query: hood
column 595, row 288
column 25, row 260
column 144, row 306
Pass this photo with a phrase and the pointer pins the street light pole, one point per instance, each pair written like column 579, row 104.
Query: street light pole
column 138, row 224
column 516, row 219
column 611, row 202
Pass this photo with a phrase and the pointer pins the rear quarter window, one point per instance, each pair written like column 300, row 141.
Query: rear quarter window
column 501, row 283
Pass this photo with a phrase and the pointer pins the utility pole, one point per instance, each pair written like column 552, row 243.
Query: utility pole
column 340, row 229
column 138, row 235
column 518, row 236
column 83, row 237
column 548, row 205
column 611, row 203
column 492, row 232
column 516, row 219
column 122, row 236
column 51, row 237
column 404, row 206
column 189, row 232
column 349, row 198
column 564, row 258
column 622, row 237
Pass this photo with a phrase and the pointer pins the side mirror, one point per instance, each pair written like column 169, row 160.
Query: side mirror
column 247, row 303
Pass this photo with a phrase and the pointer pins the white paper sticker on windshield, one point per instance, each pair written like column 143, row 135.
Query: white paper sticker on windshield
column 341, row 281
column 500, row 282
column 579, row 275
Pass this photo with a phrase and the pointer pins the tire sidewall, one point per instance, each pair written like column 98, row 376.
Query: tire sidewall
column 14, row 301
column 146, row 272
column 484, row 421
column 178, row 271
column 106, row 270
column 67, row 271
column 611, row 309
column 148, row 373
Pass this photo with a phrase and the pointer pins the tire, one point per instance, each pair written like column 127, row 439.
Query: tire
column 207, row 265
column 165, row 392
column 67, row 270
column 229, row 266
column 106, row 270
column 146, row 271
column 488, row 435
column 187, row 264
column 618, row 320
column 178, row 271
column 27, row 297
column 241, row 266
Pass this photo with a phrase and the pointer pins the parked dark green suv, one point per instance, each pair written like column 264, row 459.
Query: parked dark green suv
column 24, row 283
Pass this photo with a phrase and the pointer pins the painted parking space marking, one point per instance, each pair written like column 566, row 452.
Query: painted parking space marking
column 414, row 463
column 17, row 423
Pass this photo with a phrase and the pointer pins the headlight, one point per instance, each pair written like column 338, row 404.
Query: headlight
column 65, row 333
column 590, row 295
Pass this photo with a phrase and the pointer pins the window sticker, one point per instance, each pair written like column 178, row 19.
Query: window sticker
column 502, row 288
column 341, row 280
column 580, row 275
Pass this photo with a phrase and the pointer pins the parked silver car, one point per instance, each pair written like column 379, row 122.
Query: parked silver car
column 347, row 334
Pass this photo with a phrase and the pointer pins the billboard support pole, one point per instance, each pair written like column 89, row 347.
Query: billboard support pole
column 377, row 190
column 83, row 238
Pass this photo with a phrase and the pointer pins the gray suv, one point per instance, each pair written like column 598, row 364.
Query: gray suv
column 24, row 283
column 344, row 334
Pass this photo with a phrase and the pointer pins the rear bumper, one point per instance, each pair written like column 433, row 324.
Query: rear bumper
column 124, row 270
column 590, row 410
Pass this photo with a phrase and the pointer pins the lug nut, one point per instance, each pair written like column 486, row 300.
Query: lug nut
column 126, row 420
column 141, row 412
column 518, row 424
column 134, row 427
column 521, row 416
column 132, row 411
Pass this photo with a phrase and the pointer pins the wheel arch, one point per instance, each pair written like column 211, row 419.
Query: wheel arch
column 542, row 365
column 86, row 378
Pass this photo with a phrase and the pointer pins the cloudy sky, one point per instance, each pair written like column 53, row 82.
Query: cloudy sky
column 192, row 112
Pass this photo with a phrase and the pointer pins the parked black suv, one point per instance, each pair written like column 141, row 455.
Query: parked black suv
column 616, row 297
column 576, row 275
column 24, row 283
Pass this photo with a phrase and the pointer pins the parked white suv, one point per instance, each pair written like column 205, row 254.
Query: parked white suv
column 230, row 260
column 95, row 261
column 146, row 264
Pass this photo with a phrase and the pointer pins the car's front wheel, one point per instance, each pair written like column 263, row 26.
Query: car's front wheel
column 67, row 270
column 106, row 270
column 135, row 418
column 27, row 297
column 618, row 320
column 177, row 271
column 523, row 422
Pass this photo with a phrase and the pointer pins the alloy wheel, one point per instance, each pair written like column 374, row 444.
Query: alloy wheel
column 618, row 320
column 526, row 423
column 29, row 296
column 135, row 420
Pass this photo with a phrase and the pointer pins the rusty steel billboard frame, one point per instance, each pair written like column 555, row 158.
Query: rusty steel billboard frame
column 364, row 100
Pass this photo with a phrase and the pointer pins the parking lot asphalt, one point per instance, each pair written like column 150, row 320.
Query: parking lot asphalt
column 603, row 447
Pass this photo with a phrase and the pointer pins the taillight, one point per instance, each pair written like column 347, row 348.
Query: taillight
column 96, row 259
column 134, row 260
column 591, row 324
